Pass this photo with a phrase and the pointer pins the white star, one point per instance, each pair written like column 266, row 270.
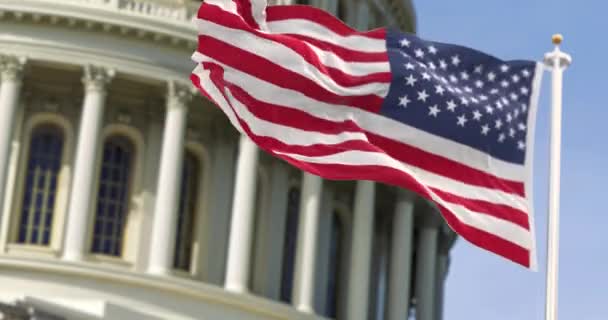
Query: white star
column 498, row 124
column 525, row 73
column 409, row 66
column 504, row 68
column 443, row 65
column 426, row 76
column 455, row 60
column 514, row 96
column 498, row 105
column 485, row 129
column 453, row 78
column 483, row 97
column 468, row 89
column 450, row 88
column 491, row 76
column 509, row 117
column 515, row 78
column 458, row 90
column 464, row 75
column 504, row 83
column 516, row 113
column 478, row 69
column 494, row 91
column 521, row 126
column 434, row 111
column 451, row 105
column 432, row 50
column 476, row 115
column 524, row 91
column 421, row 64
column 511, row 132
column 439, row 89
column 504, row 101
column 404, row 42
column 524, row 107
column 474, row 100
column 432, row 65
column 422, row 95
column 462, row 120
column 489, row 109
column 419, row 53
column 501, row 137
column 403, row 101
column 410, row 80
column 479, row 84
column 521, row 145
column 464, row 101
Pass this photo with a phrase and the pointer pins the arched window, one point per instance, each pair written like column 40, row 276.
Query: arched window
column 334, row 262
column 38, row 203
column 289, row 243
column 187, row 211
column 113, row 195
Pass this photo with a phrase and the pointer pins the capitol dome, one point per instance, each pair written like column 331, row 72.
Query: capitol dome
column 126, row 195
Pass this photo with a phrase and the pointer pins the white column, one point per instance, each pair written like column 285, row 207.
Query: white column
column 164, row 227
column 400, row 267
column 360, row 257
column 442, row 269
column 242, row 224
column 426, row 263
column 270, row 235
column 95, row 80
column 11, row 72
column 304, row 277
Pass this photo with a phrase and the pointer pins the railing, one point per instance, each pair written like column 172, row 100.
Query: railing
column 145, row 8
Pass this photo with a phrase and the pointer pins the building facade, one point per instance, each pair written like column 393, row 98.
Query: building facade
column 125, row 195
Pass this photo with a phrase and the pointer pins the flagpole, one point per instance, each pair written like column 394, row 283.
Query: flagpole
column 557, row 62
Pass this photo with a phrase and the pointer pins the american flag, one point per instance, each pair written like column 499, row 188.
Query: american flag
column 448, row 122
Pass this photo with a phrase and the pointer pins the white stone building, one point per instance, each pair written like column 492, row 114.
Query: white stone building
column 125, row 195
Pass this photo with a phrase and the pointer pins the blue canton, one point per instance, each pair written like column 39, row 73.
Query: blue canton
column 460, row 94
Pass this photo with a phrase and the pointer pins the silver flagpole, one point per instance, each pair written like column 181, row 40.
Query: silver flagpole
column 557, row 62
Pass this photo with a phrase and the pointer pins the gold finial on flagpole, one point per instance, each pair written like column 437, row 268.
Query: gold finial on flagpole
column 557, row 39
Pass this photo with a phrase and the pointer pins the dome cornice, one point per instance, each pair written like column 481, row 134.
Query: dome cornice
column 144, row 19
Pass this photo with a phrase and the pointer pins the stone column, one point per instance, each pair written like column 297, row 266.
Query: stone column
column 426, row 264
column 164, row 227
column 238, row 264
column 360, row 257
column 95, row 81
column 304, row 277
column 270, row 235
column 400, row 267
column 11, row 73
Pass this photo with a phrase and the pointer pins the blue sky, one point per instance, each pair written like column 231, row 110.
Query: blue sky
column 480, row 285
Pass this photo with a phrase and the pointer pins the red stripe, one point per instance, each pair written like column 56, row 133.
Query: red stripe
column 243, row 7
column 269, row 71
column 345, row 54
column 407, row 154
column 278, row 13
column 221, row 17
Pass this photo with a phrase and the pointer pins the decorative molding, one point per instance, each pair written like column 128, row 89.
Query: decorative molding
column 12, row 67
column 96, row 78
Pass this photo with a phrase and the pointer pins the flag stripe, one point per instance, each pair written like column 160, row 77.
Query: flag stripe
column 267, row 70
column 345, row 54
column 307, row 14
column 294, row 53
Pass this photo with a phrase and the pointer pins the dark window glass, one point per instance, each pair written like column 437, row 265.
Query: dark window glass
column 289, row 244
column 187, row 210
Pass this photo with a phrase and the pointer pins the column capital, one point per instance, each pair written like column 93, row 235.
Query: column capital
column 12, row 67
column 179, row 94
column 96, row 78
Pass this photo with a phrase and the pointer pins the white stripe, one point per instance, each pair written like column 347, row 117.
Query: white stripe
column 314, row 30
column 501, row 228
column 378, row 124
column 286, row 58
column 331, row 59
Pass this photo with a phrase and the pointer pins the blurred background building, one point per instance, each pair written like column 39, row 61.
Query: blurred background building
column 125, row 195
